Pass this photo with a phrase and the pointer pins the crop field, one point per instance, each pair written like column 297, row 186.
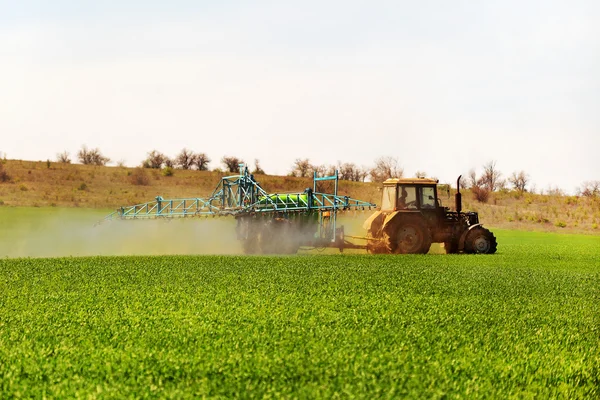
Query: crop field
column 523, row 323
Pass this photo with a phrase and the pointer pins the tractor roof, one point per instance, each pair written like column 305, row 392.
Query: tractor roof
column 410, row 181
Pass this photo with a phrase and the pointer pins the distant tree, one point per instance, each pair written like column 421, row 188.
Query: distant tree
column 169, row 163
column 589, row 189
column 421, row 174
column 477, row 185
column 257, row 169
column 346, row 171
column 491, row 178
column 351, row 172
column 519, row 181
column 231, row 164
column 121, row 163
column 363, row 172
column 555, row 191
column 302, row 168
column 154, row 160
column 385, row 168
column 91, row 156
column 201, row 161
column 185, row 159
column 63, row 157
column 472, row 180
column 323, row 170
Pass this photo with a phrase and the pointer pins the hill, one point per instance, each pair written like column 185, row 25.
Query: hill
column 49, row 184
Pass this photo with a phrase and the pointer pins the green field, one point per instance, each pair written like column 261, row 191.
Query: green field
column 523, row 323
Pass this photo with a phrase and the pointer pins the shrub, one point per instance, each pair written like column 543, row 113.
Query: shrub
column 4, row 175
column 480, row 194
column 560, row 224
column 91, row 157
column 139, row 177
column 167, row 171
column 83, row 186
column 63, row 158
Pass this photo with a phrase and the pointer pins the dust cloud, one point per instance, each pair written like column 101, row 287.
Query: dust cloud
column 48, row 232
column 74, row 233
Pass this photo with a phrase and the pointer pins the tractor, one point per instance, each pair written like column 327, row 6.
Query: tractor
column 412, row 217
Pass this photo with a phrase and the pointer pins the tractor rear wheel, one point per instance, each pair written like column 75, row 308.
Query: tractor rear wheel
column 408, row 236
column 480, row 241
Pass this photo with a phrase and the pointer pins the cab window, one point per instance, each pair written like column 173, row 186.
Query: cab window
column 427, row 197
column 407, row 198
column 389, row 195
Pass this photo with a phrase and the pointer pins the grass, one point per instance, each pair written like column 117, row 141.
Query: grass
column 519, row 324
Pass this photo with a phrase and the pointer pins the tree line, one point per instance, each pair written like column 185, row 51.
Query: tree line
column 482, row 184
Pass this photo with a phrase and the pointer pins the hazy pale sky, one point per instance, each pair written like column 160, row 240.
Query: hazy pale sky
column 444, row 86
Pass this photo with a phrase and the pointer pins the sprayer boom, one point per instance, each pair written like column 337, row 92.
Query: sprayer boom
column 256, row 210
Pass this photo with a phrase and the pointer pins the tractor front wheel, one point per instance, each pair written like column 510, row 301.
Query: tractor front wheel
column 480, row 241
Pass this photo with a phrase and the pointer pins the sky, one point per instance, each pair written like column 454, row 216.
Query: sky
column 443, row 86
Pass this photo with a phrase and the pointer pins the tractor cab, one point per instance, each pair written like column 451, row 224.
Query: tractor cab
column 409, row 195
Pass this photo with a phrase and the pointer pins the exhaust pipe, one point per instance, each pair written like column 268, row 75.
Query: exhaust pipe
column 458, row 196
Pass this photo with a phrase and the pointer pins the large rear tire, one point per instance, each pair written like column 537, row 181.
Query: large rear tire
column 480, row 241
column 408, row 236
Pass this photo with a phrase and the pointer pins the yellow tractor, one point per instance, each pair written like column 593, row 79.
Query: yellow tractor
column 412, row 217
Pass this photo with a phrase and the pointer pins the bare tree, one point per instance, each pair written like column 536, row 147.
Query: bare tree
column 519, row 180
column 154, row 160
column 321, row 170
column 346, row 171
column 257, row 168
column 421, row 174
column 472, row 179
column 477, row 185
column 385, row 168
column 91, row 156
column 201, row 161
column 590, row 189
column 351, row 172
column 63, row 157
column 491, row 177
column 363, row 172
column 302, row 168
column 185, row 159
column 232, row 164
